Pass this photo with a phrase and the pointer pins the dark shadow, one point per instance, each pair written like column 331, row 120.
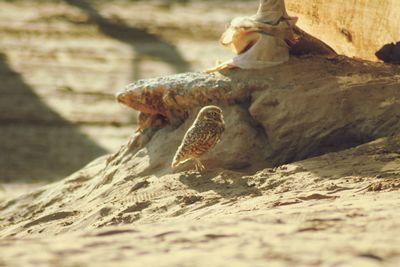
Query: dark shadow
column 36, row 144
column 389, row 53
column 143, row 43
column 307, row 44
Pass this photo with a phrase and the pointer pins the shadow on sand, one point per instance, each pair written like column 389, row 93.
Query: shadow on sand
column 142, row 42
column 37, row 144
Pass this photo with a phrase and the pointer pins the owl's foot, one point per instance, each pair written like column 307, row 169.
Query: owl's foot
column 199, row 166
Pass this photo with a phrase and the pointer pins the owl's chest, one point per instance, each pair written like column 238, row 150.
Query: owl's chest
column 209, row 132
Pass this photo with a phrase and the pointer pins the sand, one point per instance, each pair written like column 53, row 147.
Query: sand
column 339, row 209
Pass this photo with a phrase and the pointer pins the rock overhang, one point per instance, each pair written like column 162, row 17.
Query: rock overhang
column 298, row 109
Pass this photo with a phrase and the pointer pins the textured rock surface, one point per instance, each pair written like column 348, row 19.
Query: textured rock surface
column 351, row 28
column 361, row 102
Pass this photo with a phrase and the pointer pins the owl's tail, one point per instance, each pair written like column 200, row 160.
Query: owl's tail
column 175, row 162
column 178, row 160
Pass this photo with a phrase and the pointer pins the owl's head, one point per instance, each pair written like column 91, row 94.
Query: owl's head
column 212, row 113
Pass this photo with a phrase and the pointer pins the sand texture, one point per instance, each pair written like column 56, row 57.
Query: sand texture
column 339, row 209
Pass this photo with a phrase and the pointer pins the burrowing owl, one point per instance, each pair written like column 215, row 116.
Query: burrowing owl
column 204, row 134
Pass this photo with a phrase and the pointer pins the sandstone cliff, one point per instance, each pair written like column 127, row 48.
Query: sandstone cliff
column 353, row 28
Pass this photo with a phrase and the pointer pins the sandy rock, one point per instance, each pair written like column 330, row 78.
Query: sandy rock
column 174, row 96
column 361, row 103
column 243, row 145
column 352, row 28
column 355, row 109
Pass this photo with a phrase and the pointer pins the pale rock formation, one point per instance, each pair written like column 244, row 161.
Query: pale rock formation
column 352, row 28
column 360, row 103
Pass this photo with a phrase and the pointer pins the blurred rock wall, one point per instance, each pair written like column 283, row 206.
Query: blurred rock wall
column 358, row 28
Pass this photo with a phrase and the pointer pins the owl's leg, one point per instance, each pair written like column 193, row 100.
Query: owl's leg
column 199, row 166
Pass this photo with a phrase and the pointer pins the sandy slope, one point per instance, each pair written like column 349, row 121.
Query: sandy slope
column 340, row 209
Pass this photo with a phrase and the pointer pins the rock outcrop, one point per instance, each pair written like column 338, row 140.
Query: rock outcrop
column 351, row 28
column 284, row 116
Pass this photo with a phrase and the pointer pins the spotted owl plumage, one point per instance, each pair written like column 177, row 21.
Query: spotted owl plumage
column 204, row 134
